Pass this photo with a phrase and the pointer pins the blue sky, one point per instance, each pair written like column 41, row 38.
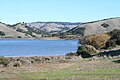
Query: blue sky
column 13, row 11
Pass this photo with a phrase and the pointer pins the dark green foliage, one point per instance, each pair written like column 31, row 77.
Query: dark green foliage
column 4, row 61
column 77, row 31
column 54, row 35
column 86, row 51
column 63, row 35
column 70, row 54
column 29, row 32
column 110, row 44
column 19, row 30
column 2, row 33
column 115, row 35
column 33, row 35
column 15, row 24
column 105, row 25
column 19, row 37
column 37, row 31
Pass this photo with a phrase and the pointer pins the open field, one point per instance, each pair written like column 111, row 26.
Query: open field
column 86, row 69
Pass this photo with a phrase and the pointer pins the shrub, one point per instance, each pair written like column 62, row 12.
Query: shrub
column 29, row 32
column 98, row 41
column 77, row 31
column 86, row 51
column 70, row 54
column 115, row 35
column 105, row 25
column 19, row 37
column 17, row 64
column 19, row 30
column 110, row 44
column 4, row 61
column 2, row 33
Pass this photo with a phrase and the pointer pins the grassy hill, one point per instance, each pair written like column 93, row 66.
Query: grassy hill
column 11, row 32
column 18, row 30
column 65, row 30
column 96, row 27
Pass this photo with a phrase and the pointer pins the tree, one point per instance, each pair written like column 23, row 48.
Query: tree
column 86, row 51
column 115, row 35
column 19, row 30
column 2, row 33
column 105, row 25
column 76, row 31
column 19, row 37
column 110, row 44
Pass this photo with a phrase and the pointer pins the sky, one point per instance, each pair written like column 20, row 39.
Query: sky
column 13, row 11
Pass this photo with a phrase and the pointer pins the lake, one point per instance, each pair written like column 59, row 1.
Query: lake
column 37, row 47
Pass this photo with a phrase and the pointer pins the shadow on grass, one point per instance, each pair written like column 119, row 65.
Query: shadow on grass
column 110, row 53
column 117, row 61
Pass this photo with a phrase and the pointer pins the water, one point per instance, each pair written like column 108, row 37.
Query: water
column 37, row 47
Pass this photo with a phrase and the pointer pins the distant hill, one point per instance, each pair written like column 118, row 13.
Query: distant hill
column 34, row 30
column 52, row 27
column 96, row 27
column 18, row 30
column 9, row 32
column 65, row 30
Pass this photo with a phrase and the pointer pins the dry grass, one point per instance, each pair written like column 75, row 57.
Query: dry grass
column 85, row 69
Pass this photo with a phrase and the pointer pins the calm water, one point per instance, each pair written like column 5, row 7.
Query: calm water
column 37, row 47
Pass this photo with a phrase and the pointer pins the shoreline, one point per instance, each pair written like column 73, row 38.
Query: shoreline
column 30, row 56
column 21, row 61
column 42, row 38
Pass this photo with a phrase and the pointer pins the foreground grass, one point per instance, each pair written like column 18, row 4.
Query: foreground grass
column 105, row 69
column 72, row 74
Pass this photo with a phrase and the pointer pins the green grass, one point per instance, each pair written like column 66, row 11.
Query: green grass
column 65, row 74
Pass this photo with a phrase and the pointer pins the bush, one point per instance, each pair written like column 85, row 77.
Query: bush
column 70, row 54
column 19, row 30
column 2, row 33
column 98, row 41
column 29, row 32
column 105, row 25
column 115, row 35
column 19, row 37
column 86, row 51
column 4, row 61
column 110, row 44
column 77, row 31
column 17, row 64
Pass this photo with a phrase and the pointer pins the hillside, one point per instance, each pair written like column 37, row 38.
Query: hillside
column 96, row 27
column 10, row 33
column 18, row 30
column 65, row 30
column 35, row 30
column 52, row 27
